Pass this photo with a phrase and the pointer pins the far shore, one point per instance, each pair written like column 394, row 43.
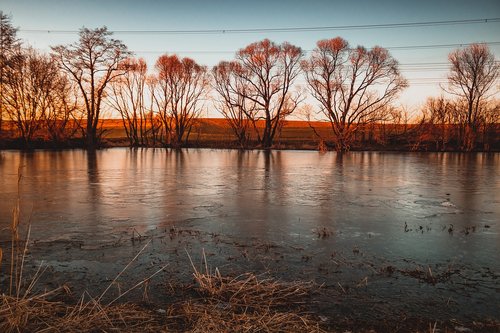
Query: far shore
column 215, row 133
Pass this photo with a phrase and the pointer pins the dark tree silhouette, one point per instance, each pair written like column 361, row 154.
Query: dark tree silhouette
column 92, row 63
column 439, row 113
column 30, row 84
column 61, row 119
column 8, row 45
column 472, row 76
column 354, row 86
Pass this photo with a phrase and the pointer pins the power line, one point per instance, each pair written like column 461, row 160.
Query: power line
column 406, row 47
column 427, row 79
column 283, row 29
column 437, row 46
column 424, row 69
column 425, row 64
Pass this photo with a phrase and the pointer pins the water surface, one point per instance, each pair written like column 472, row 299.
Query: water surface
column 405, row 210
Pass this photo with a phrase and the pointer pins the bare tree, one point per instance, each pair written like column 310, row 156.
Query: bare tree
column 472, row 76
column 153, row 118
column 30, row 83
column 92, row 62
column 180, row 86
column 490, row 124
column 60, row 117
column 233, row 103
column 156, row 109
column 266, row 74
column 439, row 114
column 8, row 45
column 352, row 85
column 128, row 98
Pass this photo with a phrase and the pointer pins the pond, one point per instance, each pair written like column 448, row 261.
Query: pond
column 413, row 232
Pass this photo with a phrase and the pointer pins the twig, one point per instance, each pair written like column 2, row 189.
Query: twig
column 341, row 287
column 35, row 278
column 138, row 284
column 123, row 270
column 28, row 233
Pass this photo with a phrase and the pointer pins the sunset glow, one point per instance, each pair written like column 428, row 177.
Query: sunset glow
column 421, row 50
column 249, row 166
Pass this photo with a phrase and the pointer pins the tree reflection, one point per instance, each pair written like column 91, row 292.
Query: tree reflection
column 93, row 177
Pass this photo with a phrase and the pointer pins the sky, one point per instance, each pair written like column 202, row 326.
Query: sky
column 423, row 58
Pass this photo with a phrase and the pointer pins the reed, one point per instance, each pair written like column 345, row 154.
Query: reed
column 14, row 231
column 247, row 303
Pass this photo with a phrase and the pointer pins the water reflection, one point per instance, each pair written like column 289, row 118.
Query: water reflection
column 366, row 198
column 94, row 195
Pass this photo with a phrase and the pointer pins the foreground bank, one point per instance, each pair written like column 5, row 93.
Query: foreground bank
column 77, row 288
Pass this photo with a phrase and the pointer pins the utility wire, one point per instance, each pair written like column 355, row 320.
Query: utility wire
column 407, row 47
column 286, row 29
column 436, row 46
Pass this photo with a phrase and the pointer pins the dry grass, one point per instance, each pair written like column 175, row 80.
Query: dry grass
column 26, row 311
column 38, row 314
column 245, row 303
column 241, row 304
column 215, row 317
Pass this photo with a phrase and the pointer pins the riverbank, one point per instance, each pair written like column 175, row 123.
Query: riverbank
column 297, row 135
column 311, row 145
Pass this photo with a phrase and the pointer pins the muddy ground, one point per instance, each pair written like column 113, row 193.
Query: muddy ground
column 355, row 290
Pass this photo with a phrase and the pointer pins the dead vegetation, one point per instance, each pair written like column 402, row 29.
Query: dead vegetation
column 323, row 232
column 244, row 303
column 40, row 314
column 426, row 274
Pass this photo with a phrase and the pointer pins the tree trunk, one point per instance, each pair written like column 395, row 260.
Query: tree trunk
column 91, row 140
column 469, row 138
column 342, row 143
column 267, row 140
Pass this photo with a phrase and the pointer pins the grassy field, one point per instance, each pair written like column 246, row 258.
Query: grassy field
column 217, row 133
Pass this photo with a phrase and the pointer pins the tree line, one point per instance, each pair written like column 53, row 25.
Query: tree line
column 63, row 94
